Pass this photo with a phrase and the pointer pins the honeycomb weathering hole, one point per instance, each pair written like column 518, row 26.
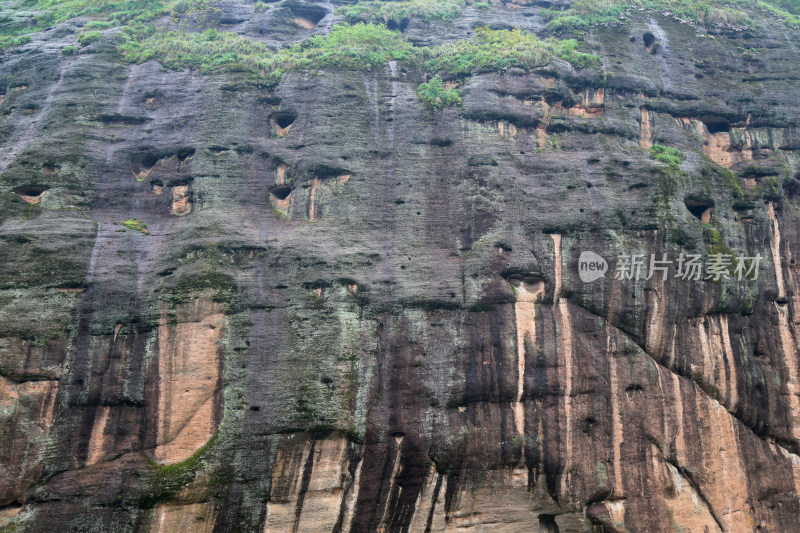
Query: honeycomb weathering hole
column 282, row 122
column 547, row 523
column 700, row 209
column 184, row 153
column 715, row 124
column 141, row 165
column 308, row 16
column 397, row 26
column 33, row 195
column 650, row 42
column 281, row 192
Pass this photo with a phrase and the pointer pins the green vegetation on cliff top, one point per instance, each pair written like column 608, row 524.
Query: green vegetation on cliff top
column 21, row 17
column 498, row 49
column 585, row 14
column 359, row 47
column 397, row 12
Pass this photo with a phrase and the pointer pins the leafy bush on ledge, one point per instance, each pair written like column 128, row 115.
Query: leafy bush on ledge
column 666, row 154
column 489, row 50
column 397, row 12
column 436, row 94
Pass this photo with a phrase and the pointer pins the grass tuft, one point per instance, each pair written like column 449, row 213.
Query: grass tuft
column 135, row 225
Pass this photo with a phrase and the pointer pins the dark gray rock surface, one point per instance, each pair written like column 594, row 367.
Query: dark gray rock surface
column 378, row 315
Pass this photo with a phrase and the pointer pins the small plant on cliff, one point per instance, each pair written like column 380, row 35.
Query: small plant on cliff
column 666, row 154
column 89, row 37
column 135, row 225
column 436, row 94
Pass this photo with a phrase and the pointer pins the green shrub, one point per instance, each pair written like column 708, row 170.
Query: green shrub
column 10, row 42
column 260, row 7
column 436, row 94
column 497, row 49
column 481, row 5
column 379, row 11
column 98, row 25
column 89, row 37
column 359, row 47
column 585, row 14
column 666, row 154
column 70, row 50
column 40, row 14
column 208, row 51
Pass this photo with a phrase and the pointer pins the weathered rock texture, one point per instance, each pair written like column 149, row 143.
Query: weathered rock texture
column 356, row 313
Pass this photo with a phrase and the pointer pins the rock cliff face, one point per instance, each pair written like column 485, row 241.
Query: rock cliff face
column 329, row 307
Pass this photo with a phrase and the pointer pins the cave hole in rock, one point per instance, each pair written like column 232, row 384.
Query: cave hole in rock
column 307, row 16
column 184, row 182
column 255, row 408
column 142, row 164
column 650, row 43
column 121, row 120
column 184, row 153
column 398, row 26
column 31, row 194
column 632, row 390
column 50, row 168
column 230, row 20
column 281, row 192
column 282, row 122
column 700, row 209
column 715, row 124
column 547, row 523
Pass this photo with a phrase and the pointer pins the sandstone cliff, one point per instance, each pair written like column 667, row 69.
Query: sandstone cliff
column 322, row 304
